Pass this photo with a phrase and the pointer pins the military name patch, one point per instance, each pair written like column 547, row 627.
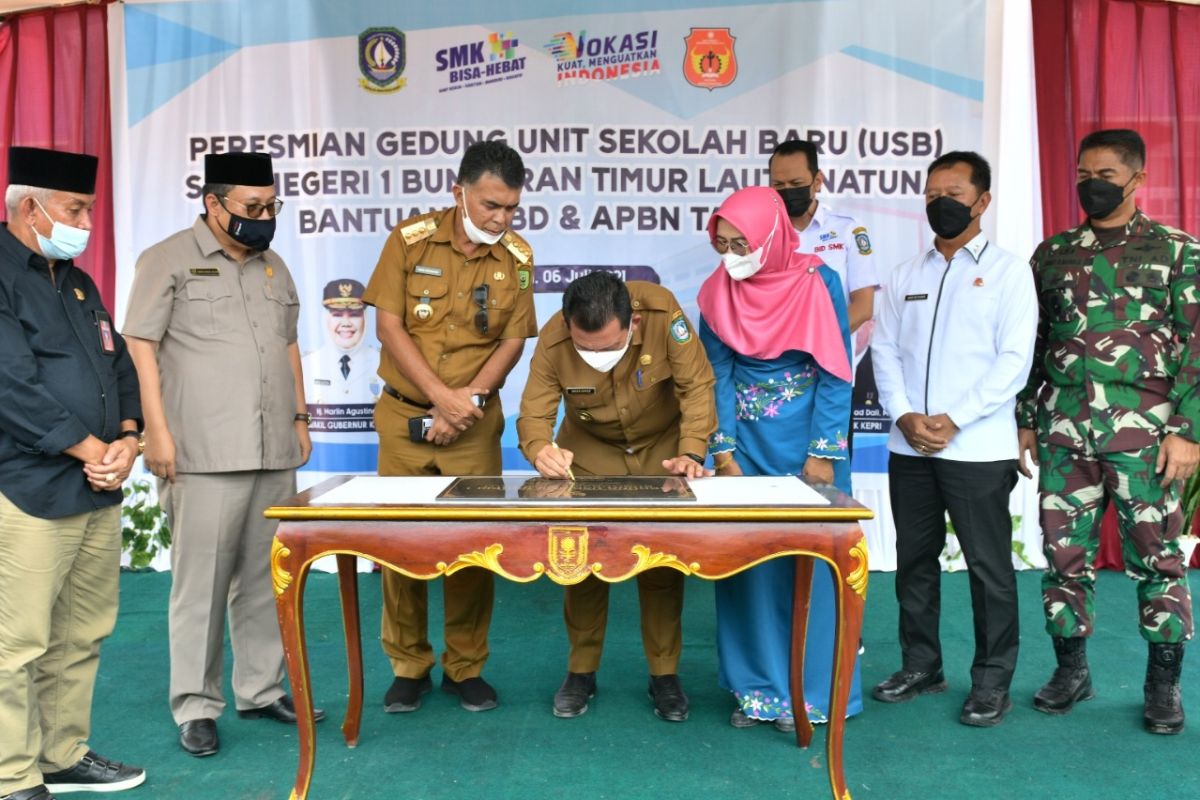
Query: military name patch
column 421, row 269
column 910, row 297
column 862, row 241
column 207, row 272
column 680, row 331
column 322, row 382
column 581, row 390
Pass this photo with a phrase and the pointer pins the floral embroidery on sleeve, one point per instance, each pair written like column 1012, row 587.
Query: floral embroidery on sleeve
column 721, row 442
column 838, row 448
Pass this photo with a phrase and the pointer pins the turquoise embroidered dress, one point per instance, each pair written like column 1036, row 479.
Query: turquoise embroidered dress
column 773, row 415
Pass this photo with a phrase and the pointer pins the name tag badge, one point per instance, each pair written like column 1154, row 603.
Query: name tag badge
column 104, row 326
column 322, row 382
column 908, row 298
column 581, row 390
column 421, row 269
column 206, row 272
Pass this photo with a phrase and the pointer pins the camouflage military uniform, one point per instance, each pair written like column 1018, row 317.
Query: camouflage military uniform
column 1115, row 370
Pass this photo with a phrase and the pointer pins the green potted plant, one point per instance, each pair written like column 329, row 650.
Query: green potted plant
column 144, row 530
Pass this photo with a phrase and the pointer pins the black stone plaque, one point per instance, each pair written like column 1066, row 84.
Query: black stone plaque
column 621, row 490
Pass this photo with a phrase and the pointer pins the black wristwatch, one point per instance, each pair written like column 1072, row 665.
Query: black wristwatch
column 698, row 459
column 141, row 441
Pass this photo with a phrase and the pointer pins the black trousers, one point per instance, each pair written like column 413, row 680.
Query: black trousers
column 975, row 494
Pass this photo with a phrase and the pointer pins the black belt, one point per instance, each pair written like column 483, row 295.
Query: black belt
column 389, row 390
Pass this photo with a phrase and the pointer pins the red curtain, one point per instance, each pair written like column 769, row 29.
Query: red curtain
column 54, row 93
column 1119, row 64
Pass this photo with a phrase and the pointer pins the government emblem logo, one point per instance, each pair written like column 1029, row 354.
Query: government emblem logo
column 709, row 61
column 568, row 553
column 381, row 59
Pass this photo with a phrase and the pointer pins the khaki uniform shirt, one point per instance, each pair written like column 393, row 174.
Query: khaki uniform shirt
column 423, row 278
column 656, row 403
column 223, row 331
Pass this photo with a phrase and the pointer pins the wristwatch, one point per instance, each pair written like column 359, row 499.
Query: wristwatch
column 141, row 439
column 303, row 417
column 698, row 459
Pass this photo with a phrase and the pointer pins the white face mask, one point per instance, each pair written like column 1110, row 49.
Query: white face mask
column 476, row 234
column 64, row 243
column 605, row 360
column 742, row 267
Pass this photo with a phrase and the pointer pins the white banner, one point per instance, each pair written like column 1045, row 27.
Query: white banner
column 634, row 122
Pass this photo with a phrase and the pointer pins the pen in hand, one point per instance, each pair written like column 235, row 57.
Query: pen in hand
column 570, row 474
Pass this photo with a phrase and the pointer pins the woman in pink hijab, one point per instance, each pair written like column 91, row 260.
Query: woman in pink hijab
column 774, row 324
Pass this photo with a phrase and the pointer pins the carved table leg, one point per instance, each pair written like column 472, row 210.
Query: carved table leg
column 289, row 580
column 801, row 601
column 348, row 589
column 851, row 598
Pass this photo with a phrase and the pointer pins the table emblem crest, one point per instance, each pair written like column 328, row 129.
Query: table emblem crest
column 568, row 552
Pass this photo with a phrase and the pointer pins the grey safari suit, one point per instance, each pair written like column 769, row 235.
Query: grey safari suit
column 223, row 331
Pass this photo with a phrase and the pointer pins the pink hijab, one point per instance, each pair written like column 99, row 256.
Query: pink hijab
column 785, row 305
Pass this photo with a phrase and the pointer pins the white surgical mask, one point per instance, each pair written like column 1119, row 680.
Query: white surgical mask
column 64, row 243
column 742, row 267
column 605, row 360
column 476, row 234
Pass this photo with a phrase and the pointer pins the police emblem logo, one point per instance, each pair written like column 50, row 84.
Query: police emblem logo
column 680, row 331
column 862, row 241
column 567, row 550
column 381, row 59
column 709, row 61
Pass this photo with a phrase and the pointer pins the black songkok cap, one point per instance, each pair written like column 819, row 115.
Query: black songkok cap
column 344, row 293
column 52, row 169
column 239, row 169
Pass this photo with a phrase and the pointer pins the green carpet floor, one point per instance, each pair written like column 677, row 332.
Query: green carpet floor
column 619, row 749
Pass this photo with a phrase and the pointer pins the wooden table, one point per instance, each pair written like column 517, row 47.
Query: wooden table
column 565, row 541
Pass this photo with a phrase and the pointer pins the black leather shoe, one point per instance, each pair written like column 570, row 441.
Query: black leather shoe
column 985, row 708
column 1072, row 680
column 404, row 694
column 474, row 694
column 572, row 697
column 199, row 737
column 670, row 703
column 282, row 710
column 33, row 793
column 94, row 773
column 905, row 685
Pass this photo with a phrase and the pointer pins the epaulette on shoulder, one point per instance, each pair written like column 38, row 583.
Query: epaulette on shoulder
column 418, row 229
column 520, row 249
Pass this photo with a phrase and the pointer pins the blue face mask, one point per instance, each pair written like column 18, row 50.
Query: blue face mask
column 64, row 243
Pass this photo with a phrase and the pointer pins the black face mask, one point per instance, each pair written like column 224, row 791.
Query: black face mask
column 253, row 233
column 1099, row 198
column 797, row 199
column 948, row 217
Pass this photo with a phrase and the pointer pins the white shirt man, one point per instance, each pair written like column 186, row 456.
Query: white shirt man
column 953, row 346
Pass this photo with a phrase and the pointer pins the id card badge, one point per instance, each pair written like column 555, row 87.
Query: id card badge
column 104, row 326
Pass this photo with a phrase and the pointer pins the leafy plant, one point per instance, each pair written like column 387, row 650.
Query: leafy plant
column 144, row 530
column 953, row 556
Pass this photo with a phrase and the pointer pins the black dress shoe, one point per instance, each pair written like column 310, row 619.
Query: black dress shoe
column 282, row 710
column 572, row 697
column 94, row 773
column 985, row 708
column 906, row 684
column 33, row 793
column 199, row 737
column 670, row 703
column 474, row 694
column 404, row 694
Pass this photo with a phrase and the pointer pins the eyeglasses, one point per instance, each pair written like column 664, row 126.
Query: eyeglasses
column 253, row 210
column 481, row 300
column 740, row 247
